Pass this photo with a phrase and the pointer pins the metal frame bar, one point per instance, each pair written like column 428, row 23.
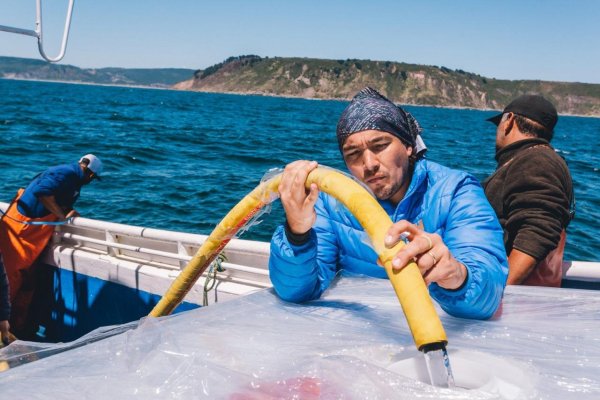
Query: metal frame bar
column 38, row 32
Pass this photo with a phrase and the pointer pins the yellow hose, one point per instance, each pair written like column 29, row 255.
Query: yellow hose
column 408, row 284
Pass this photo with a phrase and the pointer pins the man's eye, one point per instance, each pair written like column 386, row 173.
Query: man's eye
column 351, row 155
column 379, row 147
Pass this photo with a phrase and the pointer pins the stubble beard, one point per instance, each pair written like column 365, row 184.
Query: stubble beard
column 385, row 192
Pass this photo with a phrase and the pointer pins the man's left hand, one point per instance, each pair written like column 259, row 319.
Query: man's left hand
column 428, row 250
column 72, row 214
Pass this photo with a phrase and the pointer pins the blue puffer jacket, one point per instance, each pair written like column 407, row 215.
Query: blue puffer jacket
column 448, row 202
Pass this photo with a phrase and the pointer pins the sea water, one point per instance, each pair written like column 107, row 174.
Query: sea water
column 180, row 160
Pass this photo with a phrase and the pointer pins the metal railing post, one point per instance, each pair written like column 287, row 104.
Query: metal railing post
column 38, row 32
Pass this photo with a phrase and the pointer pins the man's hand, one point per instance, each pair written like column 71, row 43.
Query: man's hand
column 298, row 202
column 520, row 266
column 4, row 335
column 433, row 258
column 72, row 214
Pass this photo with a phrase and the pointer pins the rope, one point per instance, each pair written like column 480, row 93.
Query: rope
column 13, row 201
column 63, row 222
column 211, row 276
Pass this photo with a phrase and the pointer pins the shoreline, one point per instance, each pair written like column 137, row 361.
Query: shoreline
column 88, row 83
column 261, row 94
column 171, row 88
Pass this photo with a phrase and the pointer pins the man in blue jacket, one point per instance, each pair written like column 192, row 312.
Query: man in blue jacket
column 452, row 231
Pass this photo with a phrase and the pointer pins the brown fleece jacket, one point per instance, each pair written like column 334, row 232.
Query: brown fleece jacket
column 531, row 192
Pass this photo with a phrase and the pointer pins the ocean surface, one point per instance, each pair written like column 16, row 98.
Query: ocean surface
column 180, row 160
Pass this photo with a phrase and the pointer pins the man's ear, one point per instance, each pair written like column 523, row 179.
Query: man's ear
column 509, row 124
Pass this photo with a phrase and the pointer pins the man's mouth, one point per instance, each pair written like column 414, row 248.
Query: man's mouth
column 375, row 179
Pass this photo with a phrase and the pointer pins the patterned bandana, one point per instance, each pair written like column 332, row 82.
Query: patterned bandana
column 370, row 110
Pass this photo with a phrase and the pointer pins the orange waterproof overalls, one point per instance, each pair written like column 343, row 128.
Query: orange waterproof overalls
column 21, row 244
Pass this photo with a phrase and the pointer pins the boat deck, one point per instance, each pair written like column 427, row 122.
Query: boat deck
column 348, row 344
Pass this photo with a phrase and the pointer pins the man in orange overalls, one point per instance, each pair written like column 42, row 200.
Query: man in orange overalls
column 29, row 221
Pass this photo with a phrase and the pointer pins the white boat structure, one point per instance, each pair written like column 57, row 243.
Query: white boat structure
column 149, row 259
column 103, row 273
column 256, row 346
column 353, row 343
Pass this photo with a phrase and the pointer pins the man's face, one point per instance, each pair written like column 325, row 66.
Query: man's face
column 88, row 176
column 501, row 132
column 381, row 161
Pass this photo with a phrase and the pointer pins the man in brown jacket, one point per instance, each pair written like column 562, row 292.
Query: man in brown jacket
column 531, row 191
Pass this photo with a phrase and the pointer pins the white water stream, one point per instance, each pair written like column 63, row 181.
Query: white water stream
column 473, row 370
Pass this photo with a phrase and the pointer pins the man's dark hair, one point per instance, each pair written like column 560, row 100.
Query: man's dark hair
column 532, row 128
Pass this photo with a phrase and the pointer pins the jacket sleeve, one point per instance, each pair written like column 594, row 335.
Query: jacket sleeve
column 302, row 273
column 537, row 203
column 475, row 238
column 48, row 184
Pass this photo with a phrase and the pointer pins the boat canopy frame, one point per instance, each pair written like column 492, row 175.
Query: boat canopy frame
column 38, row 31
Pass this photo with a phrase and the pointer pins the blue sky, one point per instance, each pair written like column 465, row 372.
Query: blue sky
column 528, row 39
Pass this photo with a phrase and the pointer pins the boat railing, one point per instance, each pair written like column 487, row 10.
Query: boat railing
column 169, row 251
column 244, row 260
column 581, row 274
column 249, row 259
column 149, row 259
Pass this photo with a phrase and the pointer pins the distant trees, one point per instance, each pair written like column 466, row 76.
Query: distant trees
column 352, row 62
column 244, row 59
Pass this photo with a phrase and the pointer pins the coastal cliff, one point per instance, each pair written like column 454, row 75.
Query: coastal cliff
column 324, row 79
column 401, row 82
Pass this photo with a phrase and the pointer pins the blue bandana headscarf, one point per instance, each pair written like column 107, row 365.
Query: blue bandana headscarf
column 370, row 110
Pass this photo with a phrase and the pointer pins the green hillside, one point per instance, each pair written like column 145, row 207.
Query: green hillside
column 401, row 82
column 325, row 79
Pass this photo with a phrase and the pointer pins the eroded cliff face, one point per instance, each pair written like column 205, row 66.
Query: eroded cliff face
column 402, row 83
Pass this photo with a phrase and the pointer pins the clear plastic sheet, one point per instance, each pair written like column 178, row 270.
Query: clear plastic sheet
column 342, row 346
column 268, row 197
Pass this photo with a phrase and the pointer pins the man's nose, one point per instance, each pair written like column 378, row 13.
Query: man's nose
column 370, row 161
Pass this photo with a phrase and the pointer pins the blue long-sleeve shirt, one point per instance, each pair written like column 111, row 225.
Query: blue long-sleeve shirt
column 63, row 182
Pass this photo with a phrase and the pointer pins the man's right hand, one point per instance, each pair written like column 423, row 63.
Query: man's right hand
column 298, row 202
